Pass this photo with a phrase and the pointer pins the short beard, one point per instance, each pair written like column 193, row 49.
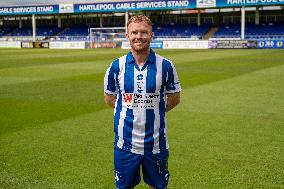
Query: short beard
column 144, row 48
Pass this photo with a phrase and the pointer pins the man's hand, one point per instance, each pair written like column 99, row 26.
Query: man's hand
column 172, row 100
column 110, row 100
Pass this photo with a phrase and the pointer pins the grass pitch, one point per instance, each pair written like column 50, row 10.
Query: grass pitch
column 56, row 131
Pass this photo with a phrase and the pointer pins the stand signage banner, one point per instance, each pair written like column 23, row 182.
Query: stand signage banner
column 239, row 3
column 24, row 7
column 132, row 6
column 20, row 10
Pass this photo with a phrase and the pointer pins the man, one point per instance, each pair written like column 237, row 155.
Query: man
column 141, row 86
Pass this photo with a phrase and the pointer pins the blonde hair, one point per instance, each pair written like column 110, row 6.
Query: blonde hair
column 139, row 18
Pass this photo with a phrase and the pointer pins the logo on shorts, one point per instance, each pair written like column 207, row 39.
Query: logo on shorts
column 116, row 177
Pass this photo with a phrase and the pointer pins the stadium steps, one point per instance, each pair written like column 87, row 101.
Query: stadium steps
column 210, row 33
column 9, row 32
column 54, row 34
column 59, row 33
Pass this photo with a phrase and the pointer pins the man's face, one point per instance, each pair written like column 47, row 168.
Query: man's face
column 139, row 35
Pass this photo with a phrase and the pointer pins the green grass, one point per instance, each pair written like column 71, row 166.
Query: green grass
column 56, row 131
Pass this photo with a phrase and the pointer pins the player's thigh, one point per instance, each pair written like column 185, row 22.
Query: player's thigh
column 126, row 169
column 155, row 170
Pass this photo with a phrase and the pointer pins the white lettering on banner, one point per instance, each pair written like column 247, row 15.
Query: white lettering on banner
column 25, row 10
column 235, row 1
column 45, row 9
column 178, row 3
column 144, row 100
column 269, row 43
column 6, row 10
column 158, row 4
column 231, row 2
column 96, row 7
column 125, row 6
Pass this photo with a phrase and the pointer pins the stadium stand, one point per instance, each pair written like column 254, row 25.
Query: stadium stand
column 42, row 31
column 213, row 25
column 228, row 31
column 273, row 30
column 73, row 33
column 265, row 31
column 180, row 31
column 5, row 30
column 262, row 31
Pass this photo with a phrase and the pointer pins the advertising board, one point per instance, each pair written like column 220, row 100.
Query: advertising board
column 27, row 44
column 103, row 45
column 10, row 44
column 41, row 44
column 153, row 44
column 67, row 45
column 198, row 44
column 270, row 44
column 232, row 44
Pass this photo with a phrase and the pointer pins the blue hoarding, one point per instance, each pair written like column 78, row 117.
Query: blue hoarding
column 130, row 5
column 238, row 3
column 270, row 44
column 156, row 44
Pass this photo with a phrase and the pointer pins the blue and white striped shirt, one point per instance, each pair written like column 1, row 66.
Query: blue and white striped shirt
column 140, row 108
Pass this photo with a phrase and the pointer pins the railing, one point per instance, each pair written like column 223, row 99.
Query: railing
column 158, row 38
column 258, row 36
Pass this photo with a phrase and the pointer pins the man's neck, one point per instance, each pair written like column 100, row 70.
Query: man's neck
column 140, row 57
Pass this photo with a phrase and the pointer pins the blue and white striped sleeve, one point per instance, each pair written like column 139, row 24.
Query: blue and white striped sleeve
column 110, row 79
column 172, row 80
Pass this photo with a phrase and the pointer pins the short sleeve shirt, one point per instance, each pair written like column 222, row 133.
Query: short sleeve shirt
column 140, row 108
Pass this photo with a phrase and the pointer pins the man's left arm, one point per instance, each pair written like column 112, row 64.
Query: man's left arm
column 173, row 99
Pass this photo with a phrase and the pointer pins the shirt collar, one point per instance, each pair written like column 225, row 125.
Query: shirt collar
column 151, row 58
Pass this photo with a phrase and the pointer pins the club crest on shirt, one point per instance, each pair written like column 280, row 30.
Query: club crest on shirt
column 144, row 100
column 139, row 77
column 140, row 83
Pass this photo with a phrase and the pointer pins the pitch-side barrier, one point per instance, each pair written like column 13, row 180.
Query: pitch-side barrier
column 165, row 44
column 214, row 44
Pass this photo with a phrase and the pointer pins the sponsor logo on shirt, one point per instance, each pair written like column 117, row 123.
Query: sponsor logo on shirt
column 144, row 100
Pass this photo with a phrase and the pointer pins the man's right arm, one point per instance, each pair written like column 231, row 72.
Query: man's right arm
column 110, row 84
column 110, row 99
